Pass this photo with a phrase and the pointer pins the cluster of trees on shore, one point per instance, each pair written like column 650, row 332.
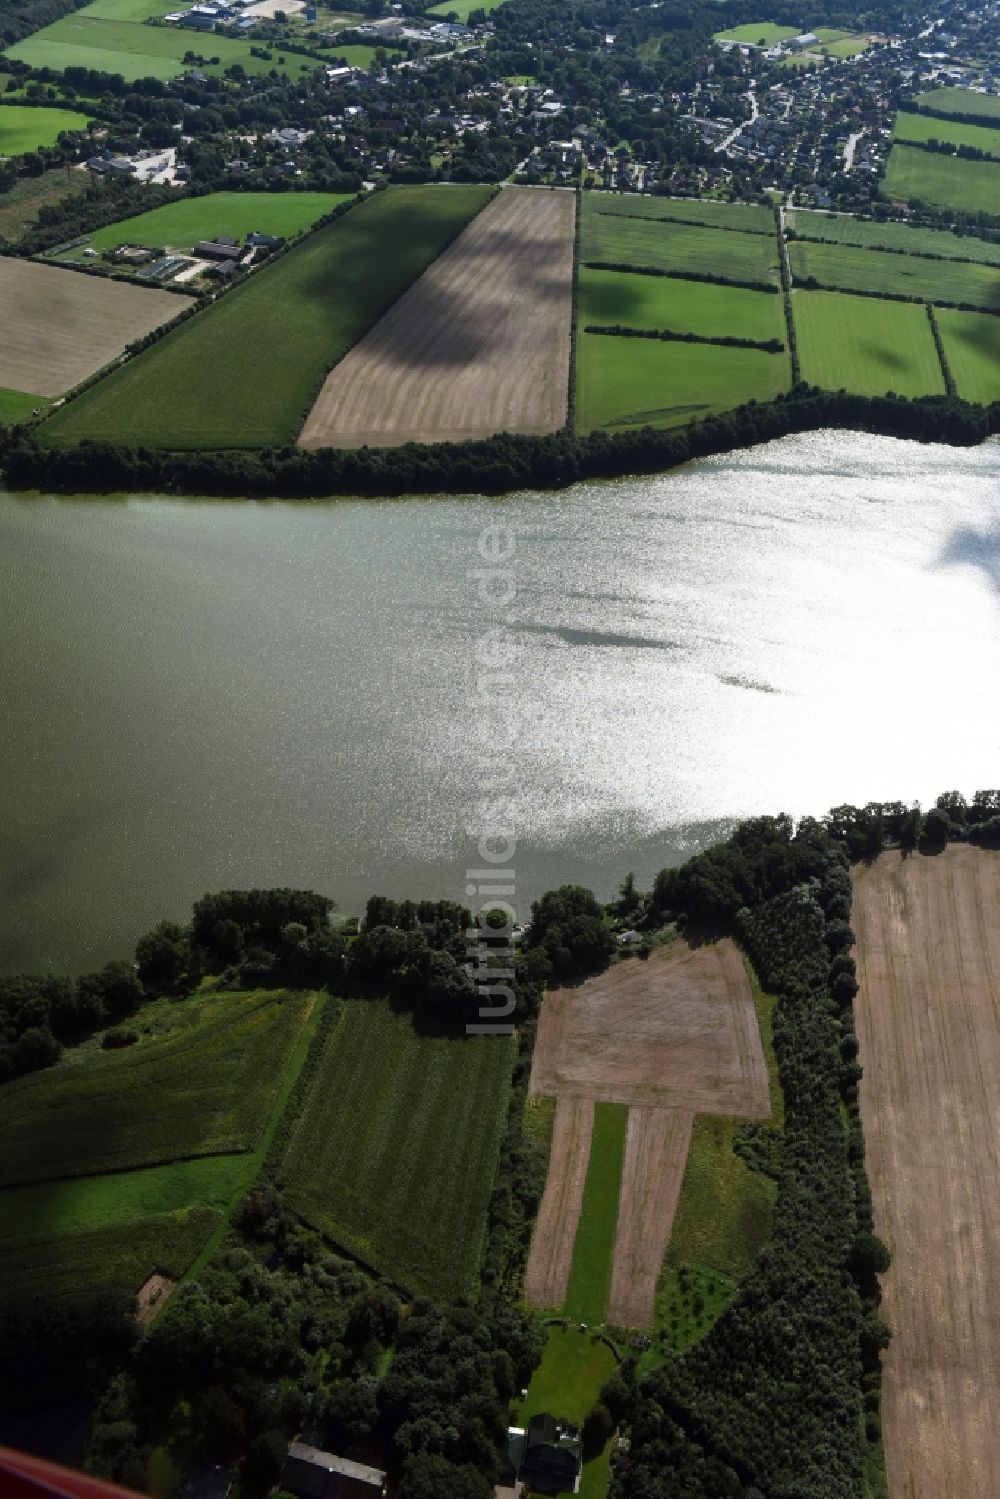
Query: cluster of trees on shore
column 493, row 466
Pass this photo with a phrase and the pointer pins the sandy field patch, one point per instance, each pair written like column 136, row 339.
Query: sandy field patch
column 152, row 1296
column 480, row 344
column 673, row 1036
column 656, row 1149
column 61, row 326
column 679, row 1030
column 928, row 1019
column 547, row 1273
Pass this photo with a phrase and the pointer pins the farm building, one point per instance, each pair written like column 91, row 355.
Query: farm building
column 311, row 1473
column 219, row 249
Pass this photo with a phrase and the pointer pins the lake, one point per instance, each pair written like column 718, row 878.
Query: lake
column 202, row 694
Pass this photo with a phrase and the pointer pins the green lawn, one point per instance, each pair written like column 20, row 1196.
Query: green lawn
column 972, row 349
column 948, row 181
column 962, row 101
column 913, row 127
column 89, row 38
column 245, row 372
column 750, row 217
column 180, row 225
column 858, row 269
column 394, row 1153
column 842, row 46
column 765, row 33
column 865, row 345
column 642, row 241
column 463, row 8
column 632, row 382
column 590, row 1272
column 574, row 1368
column 24, row 128
column 846, row 230
column 120, row 1255
column 16, row 406
column 204, row 1087
column 610, row 297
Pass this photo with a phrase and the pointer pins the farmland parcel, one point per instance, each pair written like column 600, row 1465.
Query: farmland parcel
column 929, row 969
column 900, row 275
column 479, row 345
column 395, row 1149
column 668, row 1038
column 891, row 236
column 866, row 345
column 182, row 224
column 242, row 373
column 972, row 348
column 23, row 128
column 61, row 326
column 947, row 181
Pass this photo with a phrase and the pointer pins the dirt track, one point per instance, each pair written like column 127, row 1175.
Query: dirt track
column 929, row 1025
column 480, row 344
column 656, row 1148
column 547, row 1273
column 671, row 1037
column 58, row 327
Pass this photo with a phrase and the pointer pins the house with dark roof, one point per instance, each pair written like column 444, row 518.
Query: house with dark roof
column 552, row 1456
column 311, row 1473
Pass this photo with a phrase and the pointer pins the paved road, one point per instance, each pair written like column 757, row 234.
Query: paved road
column 850, row 148
column 754, row 112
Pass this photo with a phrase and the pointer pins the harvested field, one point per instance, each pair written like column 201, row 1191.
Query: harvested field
column 547, row 1273
column 670, row 1037
column 656, row 1149
column 927, row 1018
column 60, row 326
column 678, row 1030
column 151, row 1297
column 480, row 344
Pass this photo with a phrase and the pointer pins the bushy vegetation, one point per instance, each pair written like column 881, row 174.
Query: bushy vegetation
column 203, row 1088
column 39, row 1014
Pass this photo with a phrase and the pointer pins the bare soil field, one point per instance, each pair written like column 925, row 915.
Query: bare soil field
column 656, row 1148
column 679, row 1030
column 60, row 326
column 547, row 1273
column 480, row 344
column 672, row 1037
column 151, row 1297
column 928, row 1019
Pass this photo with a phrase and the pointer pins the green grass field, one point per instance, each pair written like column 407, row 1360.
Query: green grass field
column 611, row 237
column 765, row 33
column 869, row 234
column 203, row 1087
column 23, row 128
column 590, row 1272
column 16, row 406
column 463, row 8
column 864, row 345
column 750, row 217
column 911, row 127
column 842, row 45
column 394, row 1153
column 972, row 349
column 874, row 270
column 610, row 297
column 90, row 38
column 120, row 1255
column 244, row 372
column 632, row 382
column 180, row 225
column 574, row 1368
column 948, row 181
column 962, row 101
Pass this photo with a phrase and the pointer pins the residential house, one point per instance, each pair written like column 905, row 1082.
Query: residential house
column 310, row 1473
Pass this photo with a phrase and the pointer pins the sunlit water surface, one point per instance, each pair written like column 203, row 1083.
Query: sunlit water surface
column 199, row 694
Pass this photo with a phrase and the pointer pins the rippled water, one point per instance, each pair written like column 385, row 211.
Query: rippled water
column 199, row 694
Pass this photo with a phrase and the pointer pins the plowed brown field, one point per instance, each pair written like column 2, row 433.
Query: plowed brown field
column 671, row 1037
column 928, row 1017
column 480, row 344
column 57, row 327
